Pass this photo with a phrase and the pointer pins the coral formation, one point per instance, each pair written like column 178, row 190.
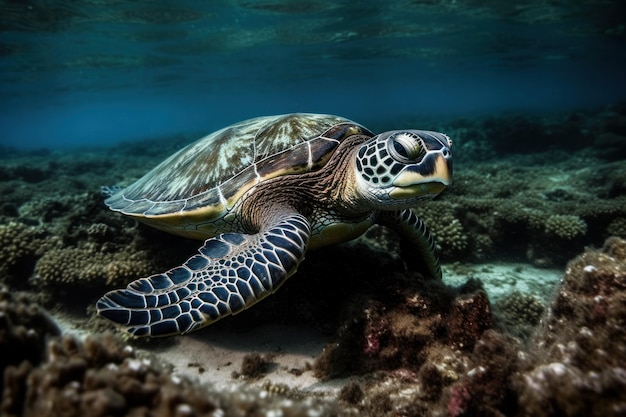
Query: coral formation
column 20, row 245
column 617, row 227
column 450, row 235
column 565, row 226
column 88, row 267
column 15, row 246
column 445, row 225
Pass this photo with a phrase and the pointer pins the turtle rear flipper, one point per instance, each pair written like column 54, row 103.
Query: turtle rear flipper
column 231, row 272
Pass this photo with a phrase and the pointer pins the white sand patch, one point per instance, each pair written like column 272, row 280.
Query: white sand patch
column 213, row 354
column 501, row 279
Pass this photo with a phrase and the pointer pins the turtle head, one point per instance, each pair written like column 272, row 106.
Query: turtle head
column 401, row 167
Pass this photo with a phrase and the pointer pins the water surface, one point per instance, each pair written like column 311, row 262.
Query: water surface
column 99, row 72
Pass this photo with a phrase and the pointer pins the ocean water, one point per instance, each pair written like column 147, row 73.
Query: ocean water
column 101, row 72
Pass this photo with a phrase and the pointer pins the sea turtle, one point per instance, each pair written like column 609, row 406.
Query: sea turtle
column 262, row 192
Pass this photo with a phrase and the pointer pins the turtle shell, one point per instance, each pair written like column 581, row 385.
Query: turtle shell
column 202, row 181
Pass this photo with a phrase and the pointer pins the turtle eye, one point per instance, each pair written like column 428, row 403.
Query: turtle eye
column 406, row 147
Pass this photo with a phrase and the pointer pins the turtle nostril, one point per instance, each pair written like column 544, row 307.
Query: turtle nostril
column 445, row 152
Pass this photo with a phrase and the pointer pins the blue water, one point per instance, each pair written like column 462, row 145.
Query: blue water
column 92, row 73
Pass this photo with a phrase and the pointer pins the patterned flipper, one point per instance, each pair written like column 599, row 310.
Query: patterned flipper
column 230, row 273
column 418, row 246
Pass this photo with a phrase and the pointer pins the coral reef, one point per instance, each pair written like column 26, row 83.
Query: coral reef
column 515, row 211
column 410, row 347
column 531, row 186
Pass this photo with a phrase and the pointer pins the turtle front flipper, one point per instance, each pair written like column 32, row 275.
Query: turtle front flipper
column 415, row 238
column 230, row 273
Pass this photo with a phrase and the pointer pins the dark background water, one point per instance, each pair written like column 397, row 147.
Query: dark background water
column 76, row 73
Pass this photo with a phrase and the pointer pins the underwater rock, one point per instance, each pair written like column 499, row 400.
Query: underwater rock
column 384, row 336
column 485, row 388
column 468, row 318
column 254, row 365
column 99, row 377
column 572, row 365
column 580, row 365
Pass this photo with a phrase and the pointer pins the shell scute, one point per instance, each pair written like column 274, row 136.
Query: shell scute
column 160, row 209
column 140, row 206
column 202, row 181
column 291, row 161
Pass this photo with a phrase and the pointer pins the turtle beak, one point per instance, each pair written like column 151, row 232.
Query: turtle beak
column 428, row 178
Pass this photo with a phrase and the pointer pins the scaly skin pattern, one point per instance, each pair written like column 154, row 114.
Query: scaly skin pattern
column 230, row 272
column 264, row 232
